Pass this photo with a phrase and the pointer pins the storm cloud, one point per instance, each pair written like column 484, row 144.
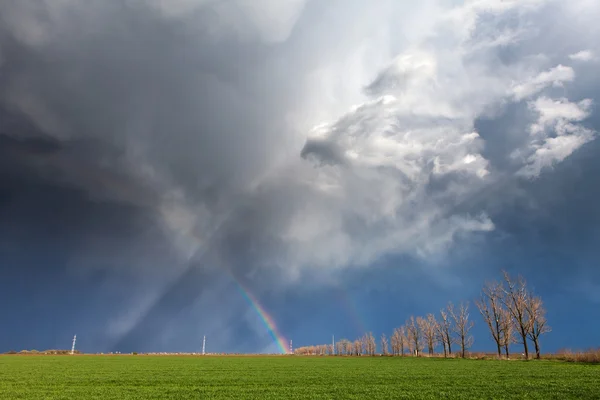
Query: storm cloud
column 158, row 151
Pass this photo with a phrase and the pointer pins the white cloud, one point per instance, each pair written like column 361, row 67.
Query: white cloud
column 388, row 175
column 583, row 55
column 552, row 112
column 558, row 118
column 391, row 173
column 553, row 150
column 376, row 163
column 556, row 77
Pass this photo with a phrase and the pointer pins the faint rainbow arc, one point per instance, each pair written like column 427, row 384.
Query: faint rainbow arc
column 266, row 319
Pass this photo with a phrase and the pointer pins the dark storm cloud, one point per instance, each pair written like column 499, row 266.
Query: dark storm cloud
column 80, row 105
column 147, row 149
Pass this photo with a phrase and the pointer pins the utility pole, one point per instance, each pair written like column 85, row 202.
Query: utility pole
column 333, row 344
column 291, row 348
column 73, row 347
column 203, row 345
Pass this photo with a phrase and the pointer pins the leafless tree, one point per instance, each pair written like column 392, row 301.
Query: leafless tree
column 462, row 326
column 428, row 328
column 364, row 340
column 340, row 347
column 439, row 334
column 369, row 344
column 321, row 349
column 515, row 300
column 508, row 329
column 329, row 349
column 395, row 342
column 490, row 306
column 385, row 349
column 536, row 314
column 357, row 347
column 445, row 329
column 403, row 340
column 399, row 341
column 415, row 338
column 348, row 347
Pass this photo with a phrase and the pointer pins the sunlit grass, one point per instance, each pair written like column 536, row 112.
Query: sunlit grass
column 171, row 377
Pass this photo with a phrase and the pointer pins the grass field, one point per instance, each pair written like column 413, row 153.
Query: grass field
column 171, row 377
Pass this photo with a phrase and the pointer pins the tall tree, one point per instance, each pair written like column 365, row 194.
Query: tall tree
column 357, row 347
column 428, row 327
column 330, row 349
column 508, row 329
column 347, row 347
column 399, row 341
column 414, row 335
column 385, row 349
column 490, row 307
column 445, row 327
column 403, row 340
column 536, row 314
column 515, row 300
column 462, row 327
column 371, row 344
column 439, row 333
column 395, row 342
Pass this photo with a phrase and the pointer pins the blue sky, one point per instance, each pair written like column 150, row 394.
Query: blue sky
column 350, row 163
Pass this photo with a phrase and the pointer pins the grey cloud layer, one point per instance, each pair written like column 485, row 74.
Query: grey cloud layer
column 230, row 126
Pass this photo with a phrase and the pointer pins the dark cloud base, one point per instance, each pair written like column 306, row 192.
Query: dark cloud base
column 81, row 240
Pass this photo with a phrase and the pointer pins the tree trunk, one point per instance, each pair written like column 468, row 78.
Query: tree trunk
column 462, row 348
column 525, row 348
column 506, row 351
column 499, row 350
column 537, row 348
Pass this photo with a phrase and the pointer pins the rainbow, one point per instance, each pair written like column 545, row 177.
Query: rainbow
column 267, row 320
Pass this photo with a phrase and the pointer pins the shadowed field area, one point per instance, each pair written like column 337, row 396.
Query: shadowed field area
column 171, row 377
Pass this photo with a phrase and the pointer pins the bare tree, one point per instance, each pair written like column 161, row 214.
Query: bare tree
column 364, row 340
column 339, row 347
column 536, row 314
column 369, row 343
column 428, row 328
column 515, row 300
column 490, row 307
column 414, row 335
column 357, row 347
column 445, row 328
column 395, row 342
column 439, row 334
column 323, row 349
column 403, row 340
column 348, row 347
column 385, row 350
column 462, row 326
column 399, row 341
column 508, row 329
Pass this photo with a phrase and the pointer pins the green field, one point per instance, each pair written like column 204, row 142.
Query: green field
column 171, row 377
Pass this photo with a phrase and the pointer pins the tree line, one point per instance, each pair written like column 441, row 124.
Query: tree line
column 511, row 311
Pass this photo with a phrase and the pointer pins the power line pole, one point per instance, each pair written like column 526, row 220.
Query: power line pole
column 203, row 345
column 291, row 348
column 73, row 346
column 333, row 344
